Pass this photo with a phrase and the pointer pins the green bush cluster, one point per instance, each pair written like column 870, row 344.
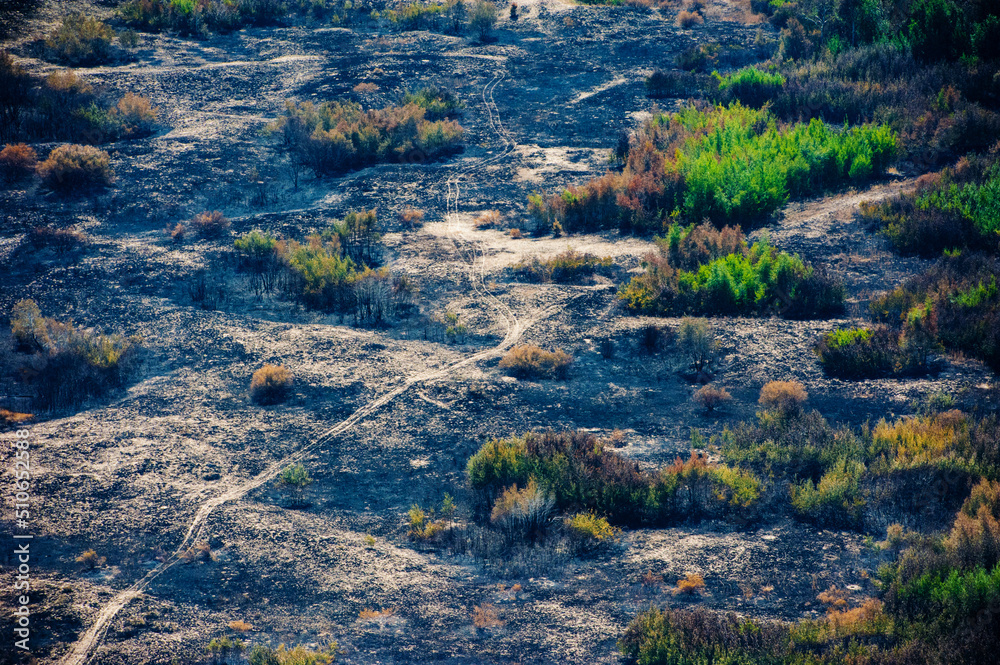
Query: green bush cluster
column 565, row 267
column 958, row 208
column 582, row 475
column 758, row 280
column 340, row 136
column 834, row 470
column 725, row 164
column 955, row 304
column 864, row 353
column 750, row 86
column 199, row 17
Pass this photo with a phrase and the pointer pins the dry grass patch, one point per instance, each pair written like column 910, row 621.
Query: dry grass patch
column 690, row 585
column 486, row 616
column 489, row 219
column 529, row 361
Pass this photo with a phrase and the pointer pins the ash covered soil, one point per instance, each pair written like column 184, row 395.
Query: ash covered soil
column 127, row 477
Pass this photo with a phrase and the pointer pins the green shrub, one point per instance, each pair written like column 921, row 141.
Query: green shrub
column 727, row 164
column 270, row 384
column 588, row 531
column 64, row 365
column 81, row 40
column 339, row 136
column 955, row 303
column 750, row 86
column 835, row 499
column 860, row 353
column 759, row 280
column 437, row 103
column 482, row 18
column 199, row 17
column 956, row 209
column 259, row 259
column 295, row 475
column 696, row 340
column 529, row 361
column 71, row 167
column 583, row 476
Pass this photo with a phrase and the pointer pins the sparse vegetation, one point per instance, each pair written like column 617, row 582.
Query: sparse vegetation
column 482, row 18
column 63, row 365
column 200, row 18
column 690, row 585
column 81, row 40
column 565, row 267
column 210, row 224
column 858, row 353
column 529, row 361
column 340, row 136
column 711, row 398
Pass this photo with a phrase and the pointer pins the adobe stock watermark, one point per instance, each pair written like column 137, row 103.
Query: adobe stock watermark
column 20, row 442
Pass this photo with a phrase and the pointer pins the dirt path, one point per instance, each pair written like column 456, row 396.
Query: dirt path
column 81, row 651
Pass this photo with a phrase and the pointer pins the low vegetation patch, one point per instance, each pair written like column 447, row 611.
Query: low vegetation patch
column 17, row 162
column 954, row 304
column 937, row 602
column 80, row 41
column 724, row 164
column 755, row 280
column 270, row 384
column 63, row 107
column 200, row 17
column 956, row 209
column 334, row 137
column 751, row 86
column 529, row 361
column 566, row 267
column 863, row 353
column 61, row 365
column 581, row 475
column 75, row 167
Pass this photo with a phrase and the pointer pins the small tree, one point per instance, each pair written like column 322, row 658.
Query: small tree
column 484, row 16
column 696, row 339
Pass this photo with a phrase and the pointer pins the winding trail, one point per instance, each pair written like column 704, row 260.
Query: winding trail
column 81, row 651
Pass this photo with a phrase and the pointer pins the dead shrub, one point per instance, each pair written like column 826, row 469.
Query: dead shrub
column 833, row 598
column 72, row 166
column 486, row 616
column 365, row 87
column 136, row 115
column 8, row 417
column 210, row 224
column 270, row 384
column 523, row 514
column 91, row 560
column 17, row 162
column 411, row 218
column 489, row 219
column 786, row 397
column 516, row 234
column 710, row 398
column 376, row 615
column 686, row 19
column 240, row 626
column 529, row 361
column 690, row 585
